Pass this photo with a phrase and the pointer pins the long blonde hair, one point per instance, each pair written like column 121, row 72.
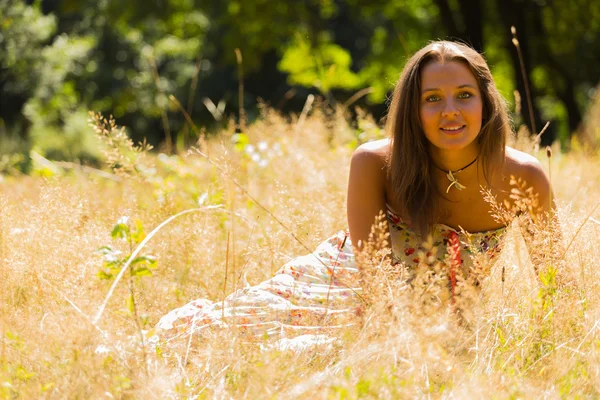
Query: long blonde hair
column 410, row 169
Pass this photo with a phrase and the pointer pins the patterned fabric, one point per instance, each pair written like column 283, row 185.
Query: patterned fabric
column 408, row 248
column 315, row 292
column 306, row 295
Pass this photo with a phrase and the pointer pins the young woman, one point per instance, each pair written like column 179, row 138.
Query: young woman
column 447, row 125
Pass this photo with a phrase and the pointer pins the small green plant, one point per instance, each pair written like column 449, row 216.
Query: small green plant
column 142, row 265
column 115, row 259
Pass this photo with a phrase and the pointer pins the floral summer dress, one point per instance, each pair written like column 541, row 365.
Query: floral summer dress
column 314, row 292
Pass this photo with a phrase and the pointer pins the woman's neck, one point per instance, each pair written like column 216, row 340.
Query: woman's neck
column 453, row 160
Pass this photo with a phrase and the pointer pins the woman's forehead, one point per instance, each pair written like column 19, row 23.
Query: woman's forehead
column 449, row 73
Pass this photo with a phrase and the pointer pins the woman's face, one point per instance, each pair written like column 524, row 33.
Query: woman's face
column 450, row 106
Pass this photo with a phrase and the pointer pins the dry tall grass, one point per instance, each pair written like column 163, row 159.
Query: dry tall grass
column 526, row 336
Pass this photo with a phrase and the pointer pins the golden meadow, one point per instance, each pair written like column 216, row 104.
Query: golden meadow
column 523, row 334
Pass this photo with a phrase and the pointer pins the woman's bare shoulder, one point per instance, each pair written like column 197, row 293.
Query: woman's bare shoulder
column 369, row 161
column 529, row 169
column 518, row 157
column 523, row 165
column 377, row 150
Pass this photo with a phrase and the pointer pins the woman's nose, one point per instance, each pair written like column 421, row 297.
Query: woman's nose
column 450, row 109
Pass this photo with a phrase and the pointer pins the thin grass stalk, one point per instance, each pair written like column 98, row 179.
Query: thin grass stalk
column 134, row 309
column 305, row 110
column 551, row 213
column 192, row 95
column 163, row 114
column 586, row 336
column 286, row 97
column 3, row 273
column 333, row 276
column 503, row 278
column 552, row 351
column 246, row 252
column 404, row 44
column 232, row 208
column 242, row 110
column 515, row 42
column 537, row 138
column 356, row 96
column 188, row 118
column 3, row 342
column 226, row 272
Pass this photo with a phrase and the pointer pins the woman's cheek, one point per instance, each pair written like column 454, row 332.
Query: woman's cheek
column 429, row 115
column 473, row 106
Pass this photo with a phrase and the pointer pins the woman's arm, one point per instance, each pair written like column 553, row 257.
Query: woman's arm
column 366, row 190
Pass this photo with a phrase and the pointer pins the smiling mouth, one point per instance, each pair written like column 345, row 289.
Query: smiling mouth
column 453, row 128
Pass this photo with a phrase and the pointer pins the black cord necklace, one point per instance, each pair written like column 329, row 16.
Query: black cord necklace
column 450, row 175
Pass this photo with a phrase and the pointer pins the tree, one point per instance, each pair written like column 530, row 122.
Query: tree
column 25, row 31
column 62, row 57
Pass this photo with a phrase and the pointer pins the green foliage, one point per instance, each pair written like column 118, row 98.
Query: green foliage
column 259, row 26
column 156, row 54
column 14, row 161
column 498, row 58
column 45, row 72
column 324, row 66
column 126, row 59
column 398, row 30
column 114, row 260
column 23, row 32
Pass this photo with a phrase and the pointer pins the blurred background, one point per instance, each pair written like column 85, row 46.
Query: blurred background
column 59, row 59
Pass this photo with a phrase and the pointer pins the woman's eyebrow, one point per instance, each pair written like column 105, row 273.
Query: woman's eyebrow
column 466, row 85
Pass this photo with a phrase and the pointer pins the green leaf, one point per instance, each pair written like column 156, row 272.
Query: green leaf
column 105, row 275
column 130, row 304
column 138, row 233
column 141, row 271
column 105, row 250
column 121, row 229
column 146, row 259
column 112, row 263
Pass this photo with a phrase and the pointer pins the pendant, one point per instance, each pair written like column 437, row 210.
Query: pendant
column 454, row 182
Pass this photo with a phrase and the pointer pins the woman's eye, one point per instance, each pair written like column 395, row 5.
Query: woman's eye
column 465, row 95
column 432, row 98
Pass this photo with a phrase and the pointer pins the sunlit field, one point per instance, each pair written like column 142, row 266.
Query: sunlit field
column 530, row 329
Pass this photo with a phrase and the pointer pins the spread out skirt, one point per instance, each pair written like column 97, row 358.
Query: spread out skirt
column 301, row 304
